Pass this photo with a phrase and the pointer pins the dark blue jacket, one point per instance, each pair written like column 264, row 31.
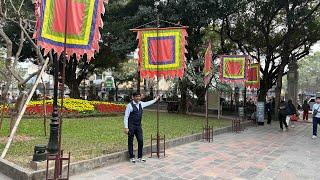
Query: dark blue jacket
column 135, row 116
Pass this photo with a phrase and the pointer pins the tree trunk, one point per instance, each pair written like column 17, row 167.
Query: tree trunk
column 262, row 94
column 138, row 82
column 74, row 89
column 278, row 88
column 117, row 89
column 200, row 92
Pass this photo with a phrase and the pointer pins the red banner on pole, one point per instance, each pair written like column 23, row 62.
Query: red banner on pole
column 233, row 68
column 253, row 76
column 162, row 52
column 208, row 65
column 81, row 30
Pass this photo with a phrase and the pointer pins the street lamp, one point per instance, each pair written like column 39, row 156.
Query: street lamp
column 54, row 125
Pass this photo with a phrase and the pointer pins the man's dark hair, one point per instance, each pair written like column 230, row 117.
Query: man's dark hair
column 318, row 98
column 136, row 94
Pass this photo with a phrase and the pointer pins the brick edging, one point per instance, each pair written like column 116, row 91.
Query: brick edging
column 16, row 172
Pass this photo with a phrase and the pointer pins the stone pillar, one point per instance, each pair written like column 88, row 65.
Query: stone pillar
column 292, row 78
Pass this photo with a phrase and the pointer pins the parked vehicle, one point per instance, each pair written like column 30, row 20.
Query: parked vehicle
column 311, row 102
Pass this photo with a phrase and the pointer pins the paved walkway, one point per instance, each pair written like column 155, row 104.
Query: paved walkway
column 3, row 177
column 257, row 153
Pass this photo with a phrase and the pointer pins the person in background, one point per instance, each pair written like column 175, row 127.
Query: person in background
column 133, row 126
column 316, row 117
column 305, row 108
column 292, row 111
column 269, row 111
column 282, row 115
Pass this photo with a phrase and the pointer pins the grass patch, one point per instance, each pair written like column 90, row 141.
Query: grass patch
column 90, row 137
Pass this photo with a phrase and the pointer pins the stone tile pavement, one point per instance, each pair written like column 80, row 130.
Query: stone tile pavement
column 261, row 153
column 3, row 177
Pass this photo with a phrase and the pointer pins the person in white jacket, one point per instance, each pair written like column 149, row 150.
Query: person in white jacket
column 132, row 124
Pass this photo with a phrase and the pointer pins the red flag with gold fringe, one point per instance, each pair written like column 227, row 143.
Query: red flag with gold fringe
column 253, row 76
column 78, row 20
column 233, row 68
column 162, row 52
column 208, row 64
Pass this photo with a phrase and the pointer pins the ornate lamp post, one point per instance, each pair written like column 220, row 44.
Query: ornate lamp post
column 54, row 125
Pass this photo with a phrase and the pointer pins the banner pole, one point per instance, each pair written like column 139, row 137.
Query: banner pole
column 158, row 103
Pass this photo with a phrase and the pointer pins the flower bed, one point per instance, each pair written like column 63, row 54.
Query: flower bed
column 73, row 106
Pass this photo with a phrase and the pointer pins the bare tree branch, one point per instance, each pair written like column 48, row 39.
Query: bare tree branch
column 12, row 71
column 14, row 8
column 22, row 2
column 4, row 75
column 30, row 76
column 8, row 42
column 22, row 40
column 1, row 9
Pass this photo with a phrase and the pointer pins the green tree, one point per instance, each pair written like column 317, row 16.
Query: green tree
column 308, row 71
column 273, row 33
column 126, row 72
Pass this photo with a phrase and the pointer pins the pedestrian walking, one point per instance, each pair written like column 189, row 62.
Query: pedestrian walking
column 269, row 111
column 305, row 108
column 282, row 115
column 316, row 117
column 292, row 112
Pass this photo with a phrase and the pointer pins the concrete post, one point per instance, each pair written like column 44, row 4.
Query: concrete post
column 292, row 77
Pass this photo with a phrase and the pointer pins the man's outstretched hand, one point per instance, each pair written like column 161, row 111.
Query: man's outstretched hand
column 126, row 130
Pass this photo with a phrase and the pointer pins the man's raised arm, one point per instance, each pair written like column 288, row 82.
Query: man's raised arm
column 148, row 103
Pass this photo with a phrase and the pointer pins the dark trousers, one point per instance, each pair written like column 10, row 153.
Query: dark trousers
column 305, row 115
column 316, row 121
column 282, row 120
column 135, row 131
column 269, row 117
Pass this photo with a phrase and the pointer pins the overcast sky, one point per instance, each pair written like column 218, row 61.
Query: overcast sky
column 315, row 47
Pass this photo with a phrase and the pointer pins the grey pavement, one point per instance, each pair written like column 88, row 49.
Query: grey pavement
column 260, row 153
column 3, row 177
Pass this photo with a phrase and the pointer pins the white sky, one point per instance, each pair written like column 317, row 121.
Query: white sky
column 315, row 47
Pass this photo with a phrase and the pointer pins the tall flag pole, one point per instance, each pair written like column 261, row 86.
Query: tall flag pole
column 157, row 62
column 207, row 78
column 66, row 27
column 161, row 54
column 207, row 74
column 208, row 64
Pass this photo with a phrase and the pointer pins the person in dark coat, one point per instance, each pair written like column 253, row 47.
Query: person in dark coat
column 305, row 108
column 292, row 111
column 282, row 115
column 269, row 109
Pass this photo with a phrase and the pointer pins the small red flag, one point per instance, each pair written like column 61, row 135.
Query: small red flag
column 207, row 64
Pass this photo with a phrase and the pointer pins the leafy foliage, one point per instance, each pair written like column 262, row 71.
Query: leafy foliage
column 308, row 73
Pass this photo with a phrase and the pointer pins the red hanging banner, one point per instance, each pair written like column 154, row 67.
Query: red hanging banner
column 208, row 65
column 253, row 76
column 79, row 22
column 162, row 52
column 233, row 68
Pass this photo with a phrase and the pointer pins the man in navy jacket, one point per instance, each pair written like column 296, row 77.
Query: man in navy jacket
column 132, row 124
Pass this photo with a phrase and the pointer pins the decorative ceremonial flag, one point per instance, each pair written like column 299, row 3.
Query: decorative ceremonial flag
column 233, row 68
column 253, row 76
column 207, row 64
column 162, row 52
column 82, row 28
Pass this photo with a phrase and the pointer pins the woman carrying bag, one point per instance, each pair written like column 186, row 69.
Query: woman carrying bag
column 292, row 113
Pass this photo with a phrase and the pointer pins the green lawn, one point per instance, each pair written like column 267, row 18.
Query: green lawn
column 90, row 137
